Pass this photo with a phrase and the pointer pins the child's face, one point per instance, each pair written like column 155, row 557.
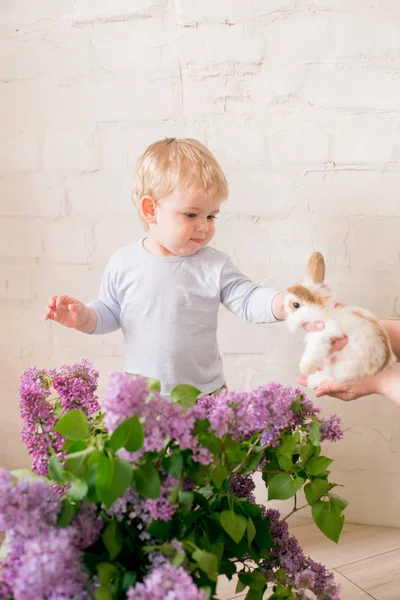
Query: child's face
column 185, row 222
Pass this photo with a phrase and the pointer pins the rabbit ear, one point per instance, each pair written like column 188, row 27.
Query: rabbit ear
column 316, row 267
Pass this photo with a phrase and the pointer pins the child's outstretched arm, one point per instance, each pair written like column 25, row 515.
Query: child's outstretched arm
column 71, row 313
column 255, row 303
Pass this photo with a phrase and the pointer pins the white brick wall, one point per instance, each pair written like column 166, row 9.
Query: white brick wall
column 299, row 100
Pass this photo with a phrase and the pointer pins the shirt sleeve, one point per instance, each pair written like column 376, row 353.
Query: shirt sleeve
column 107, row 306
column 244, row 298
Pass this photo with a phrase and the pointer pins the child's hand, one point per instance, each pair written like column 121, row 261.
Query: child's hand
column 67, row 311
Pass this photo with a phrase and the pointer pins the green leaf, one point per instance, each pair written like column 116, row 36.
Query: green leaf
column 185, row 395
column 27, row 474
column 234, row 525
column 207, row 562
column 153, row 384
column 128, row 580
column 255, row 580
column 306, row 453
column 78, row 490
column 173, row 464
column 251, row 531
column 66, row 514
column 328, row 519
column 281, row 487
column 112, row 539
column 234, row 450
column 287, row 445
column 296, row 404
column 186, row 501
column 103, row 593
column 318, row 465
column 298, row 483
column 315, row 489
column 56, row 470
column 337, row 502
column 219, row 476
column 315, row 434
column 77, row 463
column 254, row 594
column 128, row 435
column 240, row 587
column 73, row 425
column 160, row 529
column 114, row 476
column 146, row 481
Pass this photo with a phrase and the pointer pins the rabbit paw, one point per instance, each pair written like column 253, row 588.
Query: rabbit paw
column 316, row 379
column 308, row 366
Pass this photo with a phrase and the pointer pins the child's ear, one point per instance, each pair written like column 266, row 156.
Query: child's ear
column 149, row 209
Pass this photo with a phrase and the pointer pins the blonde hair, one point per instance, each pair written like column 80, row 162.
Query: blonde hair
column 172, row 163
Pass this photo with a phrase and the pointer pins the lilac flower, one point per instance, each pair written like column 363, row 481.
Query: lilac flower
column 127, row 396
column 166, row 582
column 132, row 509
column 161, row 508
column 243, row 486
column 86, row 526
column 301, row 571
column 38, row 418
column 76, row 386
column 50, row 567
column 27, row 507
column 330, row 429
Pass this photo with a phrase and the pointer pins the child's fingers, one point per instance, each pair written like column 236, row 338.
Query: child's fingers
column 76, row 308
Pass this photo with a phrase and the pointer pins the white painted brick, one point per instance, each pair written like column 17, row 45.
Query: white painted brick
column 375, row 240
column 351, row 191
column 363, row 139
column 298, row 138
column 67, row 241
column 99, row 192
column 18, row 154
column 260, row 192
column 112, row 232
column 15, row 283
column 71, row 151
column 317, row 37
column 39, row 193
column 21, row 238
column 356, row 87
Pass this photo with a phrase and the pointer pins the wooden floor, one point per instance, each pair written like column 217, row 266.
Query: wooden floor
column 366, row 562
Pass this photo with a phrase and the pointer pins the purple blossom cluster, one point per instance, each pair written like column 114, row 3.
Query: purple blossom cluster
column 243, row 486
column 166, row 581
column 43, row 560
column 76, row 386
column 127, row 396
column 162, row 508
column 302, row 572
column 266, row 409
column 38, row 418
column 330, row 429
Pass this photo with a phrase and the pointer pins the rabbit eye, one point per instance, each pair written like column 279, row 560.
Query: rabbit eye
column 296, row 305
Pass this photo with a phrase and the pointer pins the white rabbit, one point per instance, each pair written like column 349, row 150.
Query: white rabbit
column 368, row 349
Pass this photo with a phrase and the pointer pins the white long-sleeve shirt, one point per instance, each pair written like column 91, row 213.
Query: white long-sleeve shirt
column 167, row 308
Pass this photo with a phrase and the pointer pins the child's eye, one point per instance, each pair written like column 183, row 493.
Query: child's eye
column 190, row 215
column 212, row 217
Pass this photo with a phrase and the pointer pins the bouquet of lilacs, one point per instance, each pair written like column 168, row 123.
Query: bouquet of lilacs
column 150, row 499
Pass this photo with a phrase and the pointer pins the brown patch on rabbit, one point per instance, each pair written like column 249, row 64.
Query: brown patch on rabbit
column 307, row 296
column 382, row 335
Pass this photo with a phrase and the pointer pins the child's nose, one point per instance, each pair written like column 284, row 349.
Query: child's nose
column 204, row 225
